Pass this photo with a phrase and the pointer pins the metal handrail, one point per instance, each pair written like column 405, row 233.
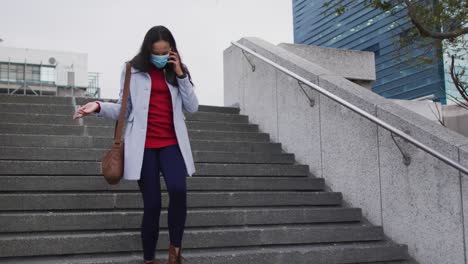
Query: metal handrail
column 358, row 110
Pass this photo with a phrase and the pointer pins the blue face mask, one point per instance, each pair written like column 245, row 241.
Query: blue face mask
column 159, row 60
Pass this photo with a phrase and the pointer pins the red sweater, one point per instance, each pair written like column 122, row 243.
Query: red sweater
column 160, row 130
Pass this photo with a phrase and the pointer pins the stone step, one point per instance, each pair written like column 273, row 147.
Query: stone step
column 218, row 109
column 83, row 143
column 35, row 118
column 44, row 129
column 33, row 107
column 256, row 143
column 65, row 107
column 216, row 117
column 236, row 146
column 49, row 243
column 406, row 261
column 20, row 183
column 191, row 125
column 201, row 108
column 133, row 199
column 96, row 154
column 213, row 217
column 78, row 130
column 25, row 167
column 33, row 99
column 248, row 202
column 377, row 252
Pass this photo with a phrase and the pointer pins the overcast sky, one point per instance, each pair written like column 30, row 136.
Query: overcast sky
column 111, row 31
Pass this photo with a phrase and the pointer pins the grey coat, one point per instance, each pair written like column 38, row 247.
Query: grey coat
column 183, row 97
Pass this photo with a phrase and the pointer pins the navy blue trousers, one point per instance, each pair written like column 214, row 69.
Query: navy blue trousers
column 170, row 162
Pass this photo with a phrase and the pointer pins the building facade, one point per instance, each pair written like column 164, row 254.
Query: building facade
column 369, row 29
column 46, row 72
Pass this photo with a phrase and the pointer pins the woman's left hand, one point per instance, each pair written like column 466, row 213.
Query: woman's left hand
column 175, row 62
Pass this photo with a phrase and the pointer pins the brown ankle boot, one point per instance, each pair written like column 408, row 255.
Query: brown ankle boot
column 174, row 257
column 151, row 261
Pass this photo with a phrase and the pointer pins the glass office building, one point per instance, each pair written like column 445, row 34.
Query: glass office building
column 369, row 29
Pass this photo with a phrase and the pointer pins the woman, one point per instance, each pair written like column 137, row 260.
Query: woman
column 156, row 137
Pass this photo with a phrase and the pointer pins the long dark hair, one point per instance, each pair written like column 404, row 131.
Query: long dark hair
column 142, row 61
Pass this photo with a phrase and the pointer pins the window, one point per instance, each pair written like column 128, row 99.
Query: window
column 374, row 48
column 13, row 72
column 3, row 72
column 48, row 74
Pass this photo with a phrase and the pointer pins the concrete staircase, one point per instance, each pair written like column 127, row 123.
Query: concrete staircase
column 249, row 201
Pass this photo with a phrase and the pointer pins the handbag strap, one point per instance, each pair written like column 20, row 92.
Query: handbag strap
column 123, row 106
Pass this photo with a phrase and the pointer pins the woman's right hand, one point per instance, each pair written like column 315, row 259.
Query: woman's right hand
column 86, row 110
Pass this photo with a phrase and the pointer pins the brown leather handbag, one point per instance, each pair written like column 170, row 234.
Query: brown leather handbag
column 113, row 160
